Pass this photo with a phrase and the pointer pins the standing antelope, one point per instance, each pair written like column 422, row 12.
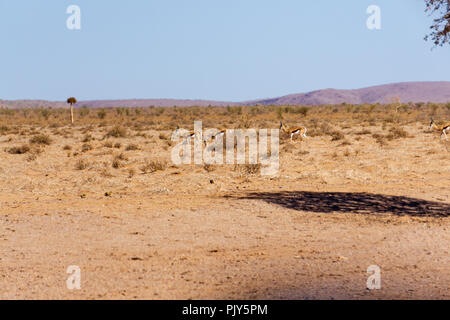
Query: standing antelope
column 294, row 131
column 441, row 128
column 188, row 136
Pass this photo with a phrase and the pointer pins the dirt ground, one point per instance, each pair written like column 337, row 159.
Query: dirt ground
column 224, row 232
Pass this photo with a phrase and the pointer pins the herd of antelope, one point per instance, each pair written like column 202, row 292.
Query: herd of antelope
column 443, row 128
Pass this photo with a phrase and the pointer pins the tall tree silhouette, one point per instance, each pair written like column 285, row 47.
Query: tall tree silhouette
column 71, row 101
column 440, row 30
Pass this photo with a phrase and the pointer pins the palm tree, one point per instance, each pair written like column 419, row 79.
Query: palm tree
column 71, row 101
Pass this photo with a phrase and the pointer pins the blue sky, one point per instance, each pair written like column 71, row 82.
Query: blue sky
column 230, row 50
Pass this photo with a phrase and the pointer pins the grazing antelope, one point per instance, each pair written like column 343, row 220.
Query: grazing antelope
column 441, row 128
column 294, row 131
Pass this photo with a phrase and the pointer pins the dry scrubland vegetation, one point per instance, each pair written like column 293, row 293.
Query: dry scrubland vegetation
column 107, row 138
column 113, row 167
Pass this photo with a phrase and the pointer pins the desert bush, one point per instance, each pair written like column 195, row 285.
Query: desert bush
column 208, row 167
column 380, row 139
column 397, row 133
column 116, row 164
column 87, row 138
column 41, row 139
column 86, row 147
column 19, row 150
column 132, row 147
column 121, row 157
column 301, row 110
column 248, row 168
column 84, row 111
column 101, row 114
column 337, row 135
column 117, row 132
column 363, row 132
column 31, row 157
column 3, row 129
column 153, row 166
column 108, row 144
column 163, row 137
column 346, row 153
column 45, row 113
column 81, row 164
column 345, row 143
column 131, row 172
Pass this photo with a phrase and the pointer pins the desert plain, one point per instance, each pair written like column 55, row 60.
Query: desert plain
column 369, row 186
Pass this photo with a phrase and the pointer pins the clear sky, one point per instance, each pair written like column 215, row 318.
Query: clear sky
column 230, row 50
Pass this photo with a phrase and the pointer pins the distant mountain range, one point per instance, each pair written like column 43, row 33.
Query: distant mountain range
column 406, row 91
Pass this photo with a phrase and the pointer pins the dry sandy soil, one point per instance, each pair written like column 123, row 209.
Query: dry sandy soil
column 191, row 232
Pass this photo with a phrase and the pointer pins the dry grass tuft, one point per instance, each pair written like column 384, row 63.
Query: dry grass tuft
column 337, row 135
column 132, row 147
column 248, row 169
column 209, row 167
column 19, row 150
column 153, row 166
column 81, row 164
column 117, row 132
column 41, row 139
column 86, row 147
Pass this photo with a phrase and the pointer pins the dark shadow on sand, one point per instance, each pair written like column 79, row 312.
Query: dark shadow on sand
column 349, row 202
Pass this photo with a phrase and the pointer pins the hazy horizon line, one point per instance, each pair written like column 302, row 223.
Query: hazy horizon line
column 230, row 101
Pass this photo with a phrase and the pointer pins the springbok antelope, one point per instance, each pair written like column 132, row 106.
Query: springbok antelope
column 294, row 131
column 441, row 128
column 188, row 136
column 215, row 136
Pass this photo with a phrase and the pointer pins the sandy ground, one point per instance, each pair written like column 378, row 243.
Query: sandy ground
column 189, row 233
